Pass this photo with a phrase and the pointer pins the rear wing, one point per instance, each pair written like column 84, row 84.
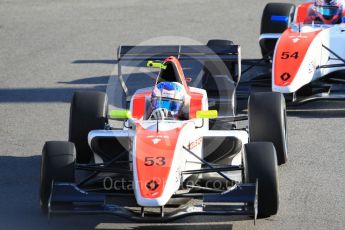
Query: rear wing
column 182, row 52
column 226, row 53
column 229, row 54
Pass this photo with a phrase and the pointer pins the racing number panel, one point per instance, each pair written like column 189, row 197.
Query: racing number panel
column 154, row 158
column 289, row 55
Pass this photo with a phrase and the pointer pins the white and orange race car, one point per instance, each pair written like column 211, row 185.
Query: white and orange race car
column 303, row 58
column 126, row 163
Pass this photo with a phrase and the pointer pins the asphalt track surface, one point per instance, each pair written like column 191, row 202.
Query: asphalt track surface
column 48, row 49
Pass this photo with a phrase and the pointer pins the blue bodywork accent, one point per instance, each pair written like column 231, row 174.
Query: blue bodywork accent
column 277, row 18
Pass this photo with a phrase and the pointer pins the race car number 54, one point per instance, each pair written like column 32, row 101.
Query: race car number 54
column 151, row 161
column 287, row 55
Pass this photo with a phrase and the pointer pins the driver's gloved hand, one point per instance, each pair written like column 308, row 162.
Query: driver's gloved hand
column 159, row 114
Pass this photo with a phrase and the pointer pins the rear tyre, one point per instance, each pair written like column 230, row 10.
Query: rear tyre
column 58, row 161
column 219, row 86
column 88, row 112
column 273, row 27
column 260, row 164
column 267, row 121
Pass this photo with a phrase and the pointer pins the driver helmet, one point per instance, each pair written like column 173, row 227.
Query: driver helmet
column 168, row 96
column 329, row 10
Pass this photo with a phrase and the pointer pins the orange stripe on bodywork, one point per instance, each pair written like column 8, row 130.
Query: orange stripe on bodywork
column 154, row 157
column 302, row 12
column 195, row 104
column 139, row 104
column 289, row 55
column 179, row 68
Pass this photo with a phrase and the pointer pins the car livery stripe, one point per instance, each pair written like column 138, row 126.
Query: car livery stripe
column 139, row 104
column 195, row 104
column 154, row 156
column 302, row 12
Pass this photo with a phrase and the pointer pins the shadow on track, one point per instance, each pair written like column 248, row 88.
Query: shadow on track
column 319, row 109
column 100, row 80
column 41, row 95
column 19, row 186
column 200, row 225
column 112, row 62
column 57, row 94
column 19, row 189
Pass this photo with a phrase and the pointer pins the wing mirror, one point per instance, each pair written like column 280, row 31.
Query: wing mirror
column 209, row 114
column 156, row 64
column 120, row 114
column 205, row 114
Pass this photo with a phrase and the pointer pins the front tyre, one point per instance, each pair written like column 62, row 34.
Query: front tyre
column 267, row 121
column 58, row 164
column 260, row 164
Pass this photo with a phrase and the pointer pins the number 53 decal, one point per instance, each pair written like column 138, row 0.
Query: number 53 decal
column 151, row 161
column 287, row 55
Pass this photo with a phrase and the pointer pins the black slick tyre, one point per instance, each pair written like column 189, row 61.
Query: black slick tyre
column 88, row 112
column 58, row 164
column 260, row 165
column 269, row 26
column 267, row 121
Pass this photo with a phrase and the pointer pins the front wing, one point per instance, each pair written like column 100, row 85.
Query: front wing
column 67, row 198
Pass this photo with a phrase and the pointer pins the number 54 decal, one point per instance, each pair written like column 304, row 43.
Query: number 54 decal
column 288, row 55
column 151, row 161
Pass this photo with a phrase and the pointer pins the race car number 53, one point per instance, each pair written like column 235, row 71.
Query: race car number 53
column 151, row 161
